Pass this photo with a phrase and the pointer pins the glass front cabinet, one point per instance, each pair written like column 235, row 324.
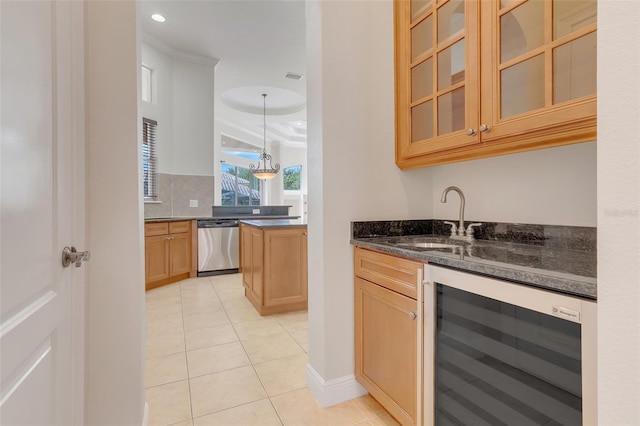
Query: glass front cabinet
column 483, row 78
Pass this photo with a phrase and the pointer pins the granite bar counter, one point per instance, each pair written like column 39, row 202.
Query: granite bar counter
column 542, row 261
column 236, row 217
column 172, row 219
column 274, row 223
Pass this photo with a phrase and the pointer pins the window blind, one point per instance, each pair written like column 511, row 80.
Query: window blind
column 149, row 159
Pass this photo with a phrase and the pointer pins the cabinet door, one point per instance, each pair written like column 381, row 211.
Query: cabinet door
column 541, row 84
column 257, row 265
column 386, row 348
column 179, row 254
column 285, row 266
column 156, row 258
column 437, row 77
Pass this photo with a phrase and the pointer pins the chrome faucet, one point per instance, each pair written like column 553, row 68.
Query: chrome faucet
column 461, row 234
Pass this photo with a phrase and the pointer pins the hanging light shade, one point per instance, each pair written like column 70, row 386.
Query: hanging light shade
column 261, row 170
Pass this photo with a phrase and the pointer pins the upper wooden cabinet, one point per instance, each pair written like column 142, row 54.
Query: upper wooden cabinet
column 482, row 78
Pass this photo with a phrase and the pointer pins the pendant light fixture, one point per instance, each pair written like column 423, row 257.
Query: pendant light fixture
column 261, row 171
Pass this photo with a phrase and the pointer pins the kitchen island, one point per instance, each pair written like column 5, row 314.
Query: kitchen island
column 273, row 262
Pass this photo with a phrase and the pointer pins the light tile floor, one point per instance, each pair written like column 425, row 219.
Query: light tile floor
column 212, row 360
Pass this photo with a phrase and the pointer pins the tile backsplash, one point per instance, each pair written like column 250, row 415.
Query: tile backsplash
column 175, row 193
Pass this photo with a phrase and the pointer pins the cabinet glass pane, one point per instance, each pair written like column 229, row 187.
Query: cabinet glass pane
column 418, row 7
column 422, row 80
column 450, row 19
column 451, row 112
column 505, row 3
column 521, row 30
column 421, row 38
column 574, row 69
column 522, row 87
column 422, row 121
column 451, row 65
column 571, row 15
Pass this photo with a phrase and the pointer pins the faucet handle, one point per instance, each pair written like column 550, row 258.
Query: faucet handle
column 470, row 228
column 454, row 228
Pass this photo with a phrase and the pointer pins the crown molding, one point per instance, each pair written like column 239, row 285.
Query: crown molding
column 177, row 54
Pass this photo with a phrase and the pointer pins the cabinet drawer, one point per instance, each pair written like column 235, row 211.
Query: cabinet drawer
column 156, row 228
column 179, row 227
column 400, row 275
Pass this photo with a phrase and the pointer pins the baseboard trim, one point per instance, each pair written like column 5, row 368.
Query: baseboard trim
column 334, row 391
column 145, row 416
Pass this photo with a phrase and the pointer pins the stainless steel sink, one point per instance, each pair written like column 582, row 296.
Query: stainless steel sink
column 429, row 245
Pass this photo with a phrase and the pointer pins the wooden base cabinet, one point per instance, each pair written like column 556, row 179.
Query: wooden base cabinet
column 387, row 330
column 168, row 253
column 274, row 268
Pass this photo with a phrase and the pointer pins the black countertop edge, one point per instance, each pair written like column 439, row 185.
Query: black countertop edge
column 270, row 223
column 237, row 217
column 551, row 280
column 254, row 217
column 172, row 219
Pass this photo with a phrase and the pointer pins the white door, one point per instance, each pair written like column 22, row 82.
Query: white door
column 41, row 212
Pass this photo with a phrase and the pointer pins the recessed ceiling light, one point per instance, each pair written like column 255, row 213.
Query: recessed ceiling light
column 158, row 18
column 299, row 123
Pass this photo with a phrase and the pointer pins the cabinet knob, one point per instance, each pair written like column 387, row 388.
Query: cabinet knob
column 169, row 238
column 413, row 315
column 484, row 128
column 471, row 132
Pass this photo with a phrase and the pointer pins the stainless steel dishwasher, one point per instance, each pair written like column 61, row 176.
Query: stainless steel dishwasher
column 218, row 248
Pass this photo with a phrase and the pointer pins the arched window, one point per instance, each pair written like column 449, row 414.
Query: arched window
column 292, row 178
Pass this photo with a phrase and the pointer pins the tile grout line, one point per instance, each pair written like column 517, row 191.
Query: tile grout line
column 226, row 308
column 250, row 363
column 186, row 360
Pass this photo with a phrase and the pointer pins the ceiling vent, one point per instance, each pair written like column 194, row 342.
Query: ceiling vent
column 293, row 76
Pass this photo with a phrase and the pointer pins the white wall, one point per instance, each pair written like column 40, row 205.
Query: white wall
column 618, row 213
column 115, row 288
column 182, row 104
column 352, row 174
column 553, row 186
column 192, row 119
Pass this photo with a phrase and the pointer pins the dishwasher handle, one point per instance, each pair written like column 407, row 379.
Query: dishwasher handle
column 218, row 224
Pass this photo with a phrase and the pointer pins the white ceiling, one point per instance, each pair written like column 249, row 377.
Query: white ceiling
column 256, row 43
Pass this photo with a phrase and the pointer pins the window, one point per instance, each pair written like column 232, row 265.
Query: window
column 291, row 177
column 149, row 160
column 239, row 186
column 146, row 84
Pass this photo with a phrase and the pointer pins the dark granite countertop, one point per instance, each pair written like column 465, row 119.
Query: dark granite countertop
column 270, row 223
column 171, row 219
column 554, row 268
column 254, row 216
column 237, row 217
